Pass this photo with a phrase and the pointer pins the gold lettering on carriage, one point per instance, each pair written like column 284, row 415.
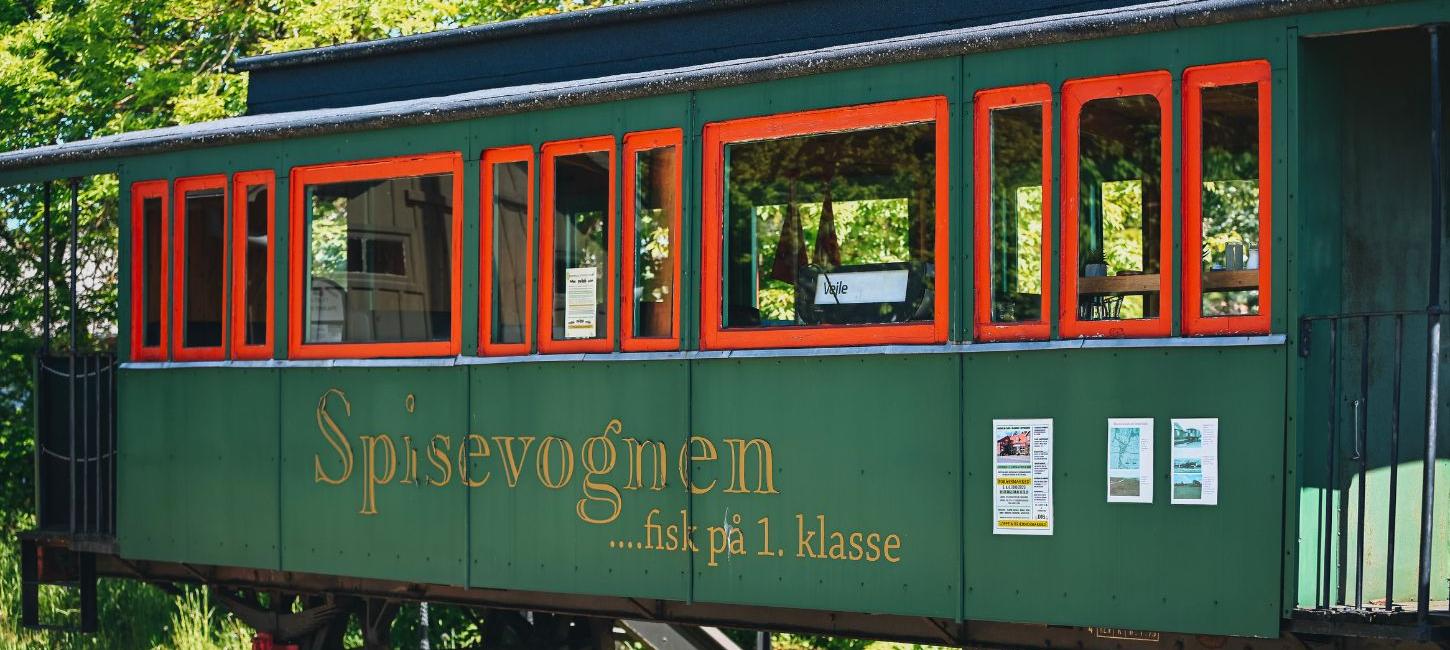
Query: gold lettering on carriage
column 601, row 471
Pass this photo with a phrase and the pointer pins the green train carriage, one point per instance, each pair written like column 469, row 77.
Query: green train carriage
column 574, row 315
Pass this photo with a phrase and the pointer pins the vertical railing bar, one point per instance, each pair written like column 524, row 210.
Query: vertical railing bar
column 1432, row 371
column 110, row 446
column 1362, row 453
column 48, row 268
column 1394, row 465
column 85, row 454
column 95, row 434
column 1330, row 449
column 75, row 209
column 115, row 452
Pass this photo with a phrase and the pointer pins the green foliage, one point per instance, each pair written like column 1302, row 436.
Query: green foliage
column 133, row 614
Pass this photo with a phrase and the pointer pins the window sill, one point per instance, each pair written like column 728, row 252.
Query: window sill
column 949, row 348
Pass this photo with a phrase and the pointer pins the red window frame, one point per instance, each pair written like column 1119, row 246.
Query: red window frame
column 140, row 191
column 179, row 350
column 634, row 143
column 368, row 170
column 1194, row 80
column 240, row 182
column 547, row 342
column 1076, row 93
column 491, row 157
column 768, row 127
column 986, row 102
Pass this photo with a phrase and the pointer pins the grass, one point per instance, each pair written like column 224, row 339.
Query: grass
column 133, row 615
column 138, row 616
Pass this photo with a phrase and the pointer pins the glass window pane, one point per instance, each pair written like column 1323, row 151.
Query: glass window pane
column 833, row 228
column 379, row 260
column 581, row 245
column 656, row 171
column 258, row 236
column 1017, row 144
column 204, row 253
column 152, row 218
column 1120, row 215
column 510, row 252
column 1230, row 200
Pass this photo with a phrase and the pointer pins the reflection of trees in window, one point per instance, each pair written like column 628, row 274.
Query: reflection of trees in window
column 1017, row 143
column 1122, row 249
column 1120, row 215
column 581, row 230
column 1230, row 190
column 327, row 245
column 656, row 171
column 845, row 202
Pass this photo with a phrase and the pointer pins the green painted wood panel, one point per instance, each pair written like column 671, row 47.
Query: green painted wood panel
column 869, row 443
column 587, row 534
column 147, row 498
column 198, row 477
column 352, row 502
column 1205, row 569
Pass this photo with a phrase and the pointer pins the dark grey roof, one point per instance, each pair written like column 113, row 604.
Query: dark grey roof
column 652, row 35
column 1151, row 17
column 566, row 21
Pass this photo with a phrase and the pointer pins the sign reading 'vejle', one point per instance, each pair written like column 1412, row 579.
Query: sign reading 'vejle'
column 861, row 287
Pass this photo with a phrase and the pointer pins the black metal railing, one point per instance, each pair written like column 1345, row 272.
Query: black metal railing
column 75, row 443
column 1371, row 386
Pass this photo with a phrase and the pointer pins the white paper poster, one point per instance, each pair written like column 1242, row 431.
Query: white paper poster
column 1195, row 461
column 1022, row 477
column 1130, row 460
column 580, row 312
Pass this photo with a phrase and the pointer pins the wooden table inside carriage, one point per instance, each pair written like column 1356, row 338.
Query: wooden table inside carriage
column 1240, row 280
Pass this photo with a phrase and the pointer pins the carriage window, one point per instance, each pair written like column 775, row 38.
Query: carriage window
column 831, row 229
column 200, row 256
column 150, row 265
column 152, row 215
column 255, row 289
column 1012, row 242
column 508, row 238
column 823, row 219
column 252, row 273
column 651, row 274
column 1120, row 263
column 1224, row 208
column 577, row 280
column 379, row 260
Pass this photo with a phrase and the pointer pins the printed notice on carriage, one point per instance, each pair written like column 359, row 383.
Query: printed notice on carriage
column 1195, row 461
column 1022, row 477
column 579, row 303
column 1130, row 460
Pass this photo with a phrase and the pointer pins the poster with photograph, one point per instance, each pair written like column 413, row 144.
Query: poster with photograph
column 1130, row 460
column 1195, row 461
column 580, row 300
column 1022, row 477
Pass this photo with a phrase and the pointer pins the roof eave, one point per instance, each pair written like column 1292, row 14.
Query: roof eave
column 1152, row 17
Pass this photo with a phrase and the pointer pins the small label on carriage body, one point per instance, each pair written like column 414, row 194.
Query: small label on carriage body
column 580, row 295
column 861, row 287
column 1125, row 634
